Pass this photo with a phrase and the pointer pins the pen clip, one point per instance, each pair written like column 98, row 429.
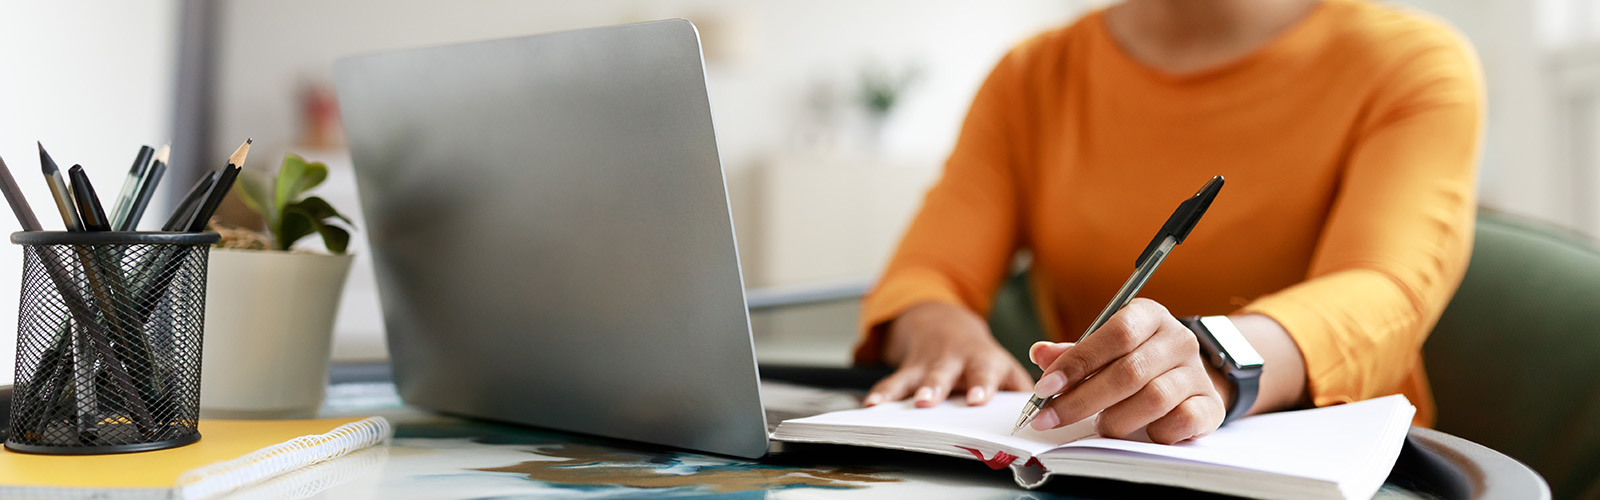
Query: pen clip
column 1184, row 218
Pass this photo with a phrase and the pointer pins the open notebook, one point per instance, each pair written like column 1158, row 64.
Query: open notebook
column 231, row 454
column 1343, row 451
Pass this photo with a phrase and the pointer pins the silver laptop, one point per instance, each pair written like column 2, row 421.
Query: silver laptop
column 550, row 230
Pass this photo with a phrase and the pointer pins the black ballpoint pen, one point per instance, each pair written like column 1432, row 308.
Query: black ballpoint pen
column 101, row 276
column 1172, row 233
column 89, row 208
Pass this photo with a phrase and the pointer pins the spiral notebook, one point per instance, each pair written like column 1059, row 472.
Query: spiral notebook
column 1336, row 452
column 230, row 455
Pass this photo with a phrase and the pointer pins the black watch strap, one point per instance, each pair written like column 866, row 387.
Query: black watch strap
column 1246, row 383
column 1245, row 388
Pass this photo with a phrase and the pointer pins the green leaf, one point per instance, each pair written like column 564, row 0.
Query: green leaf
column 315, row 213
column 336, row 238
column 296, row 177
column 297, row 217
column 296, row 224
column 290, row 174
column 315, row 174
column 319, row 209
column 255, row 192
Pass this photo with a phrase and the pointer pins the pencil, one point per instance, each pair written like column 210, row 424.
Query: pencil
column 147, row 189
column 191, row 202
column 219, row 191
column 19, row 203
column 94, row 215
column 59, row 190
column 130, row 186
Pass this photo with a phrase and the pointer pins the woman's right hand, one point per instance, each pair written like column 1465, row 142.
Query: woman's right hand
column 939, row 348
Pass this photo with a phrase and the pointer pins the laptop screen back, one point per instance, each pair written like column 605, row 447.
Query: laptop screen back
column 551, row 235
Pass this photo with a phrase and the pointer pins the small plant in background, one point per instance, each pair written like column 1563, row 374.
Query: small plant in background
column 289, row 214
column 882, row 88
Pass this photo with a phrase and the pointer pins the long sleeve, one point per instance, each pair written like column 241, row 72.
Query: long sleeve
column 1397, row 240
column 957, row 248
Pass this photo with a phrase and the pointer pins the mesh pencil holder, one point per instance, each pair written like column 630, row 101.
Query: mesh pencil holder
column 108, row 341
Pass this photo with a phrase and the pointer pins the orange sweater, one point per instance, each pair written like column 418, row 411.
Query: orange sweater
column 1349, row 144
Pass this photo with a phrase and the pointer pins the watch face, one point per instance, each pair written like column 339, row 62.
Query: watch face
column 1233, row 342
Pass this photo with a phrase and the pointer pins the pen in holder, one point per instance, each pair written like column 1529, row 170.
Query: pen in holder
column 108, row 341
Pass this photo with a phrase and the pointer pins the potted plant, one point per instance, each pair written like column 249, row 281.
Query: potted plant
column 882, row 88
column 270, row 307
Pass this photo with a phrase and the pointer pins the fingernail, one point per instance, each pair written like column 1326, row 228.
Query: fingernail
column 1045, row 420
column 1033, row 351
column 975, row 395
column 924, row 394
column 872, row 399
column 1050, row 385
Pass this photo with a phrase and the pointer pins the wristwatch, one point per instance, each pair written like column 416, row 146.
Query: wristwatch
column 1224, row 348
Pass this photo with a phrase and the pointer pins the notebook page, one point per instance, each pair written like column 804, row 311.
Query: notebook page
column 1335, row 443
column 988, row 423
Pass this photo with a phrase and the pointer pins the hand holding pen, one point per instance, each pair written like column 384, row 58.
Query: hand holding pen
column 1136, row 365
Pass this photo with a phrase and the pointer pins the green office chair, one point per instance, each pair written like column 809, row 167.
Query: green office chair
column 1514, row 360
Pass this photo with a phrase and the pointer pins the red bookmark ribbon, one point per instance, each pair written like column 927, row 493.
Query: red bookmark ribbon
column 1000, row 460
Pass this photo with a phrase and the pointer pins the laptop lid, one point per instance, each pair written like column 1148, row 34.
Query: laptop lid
column 550, row 230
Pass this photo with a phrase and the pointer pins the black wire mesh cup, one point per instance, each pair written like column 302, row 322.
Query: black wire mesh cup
column 108, row 341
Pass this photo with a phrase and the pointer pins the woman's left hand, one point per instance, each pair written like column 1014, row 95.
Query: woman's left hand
column 1142, row 369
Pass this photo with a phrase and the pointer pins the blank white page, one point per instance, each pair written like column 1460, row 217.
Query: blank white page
column 989, row 423
column 1349, row 443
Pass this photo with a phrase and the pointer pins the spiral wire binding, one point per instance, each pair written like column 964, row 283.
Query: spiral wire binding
column 223, row 477
column 310, row 481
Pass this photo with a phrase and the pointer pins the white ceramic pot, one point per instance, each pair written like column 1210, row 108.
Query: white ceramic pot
column 269, row 328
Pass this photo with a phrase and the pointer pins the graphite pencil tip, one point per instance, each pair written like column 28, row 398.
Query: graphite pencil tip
column 47, row 164
column 238, row 156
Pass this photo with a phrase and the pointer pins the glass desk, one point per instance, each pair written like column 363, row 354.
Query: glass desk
column 435, row 456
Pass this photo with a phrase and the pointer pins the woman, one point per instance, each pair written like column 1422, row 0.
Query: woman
column 1348, row 134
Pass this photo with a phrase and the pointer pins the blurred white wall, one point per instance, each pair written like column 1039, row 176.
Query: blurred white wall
column 763, row 55
column 92, row 80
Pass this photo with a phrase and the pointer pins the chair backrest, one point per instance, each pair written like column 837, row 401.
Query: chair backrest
column 1515, row 360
